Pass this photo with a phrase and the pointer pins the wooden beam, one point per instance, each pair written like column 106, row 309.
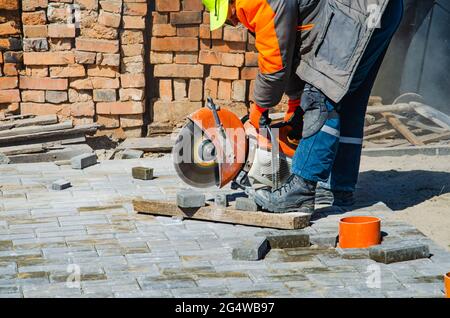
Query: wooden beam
column 38, row 120
column 149, row 144
column 286, row 221
column 36, row 129
column 403, row 107
column 383, row 134
column 373, row 128
column 402, row 129
column 435, row 137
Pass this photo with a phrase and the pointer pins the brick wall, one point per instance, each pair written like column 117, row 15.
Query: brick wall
column 191, row 63
column 105, row 61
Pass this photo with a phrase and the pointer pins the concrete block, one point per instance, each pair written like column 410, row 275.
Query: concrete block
column 60, row 184
column 246, row 204
column 324, row 240
column 251, row 249
column 83, row 161
column 190, row 199
column 286, row 239
column 221, row 200
column 132, row 154
column 399, row 251
column 353, row 253
column 142, row 173
column 4, row 160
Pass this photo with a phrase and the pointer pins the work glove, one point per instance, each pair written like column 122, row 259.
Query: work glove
column 294, row 118
column 259, row 116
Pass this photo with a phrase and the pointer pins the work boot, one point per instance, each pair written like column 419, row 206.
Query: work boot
column 333, row 197
column 296, row 195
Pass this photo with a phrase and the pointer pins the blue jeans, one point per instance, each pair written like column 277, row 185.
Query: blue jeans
column 332, row 156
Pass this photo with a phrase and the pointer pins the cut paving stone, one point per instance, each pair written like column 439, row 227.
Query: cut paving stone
column 353, row 253
column 251, row 249
column 286, row 239
column 190, row 199
column 4, row 160
column 246, row 204
column 132, row 154
column 142, row 173
column 221, row 200
column 60, row 184
column 83, row 161
column 324, row 240
column 399, row 251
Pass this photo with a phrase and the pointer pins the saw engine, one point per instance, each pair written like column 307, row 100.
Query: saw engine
column 216, row 147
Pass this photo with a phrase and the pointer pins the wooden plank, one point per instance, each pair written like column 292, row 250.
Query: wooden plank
column 36, row 129
column 435, row 137
column 23, row 149
column 373, row 128
column 286, row 221
column 86, row 129
column 38, row 120
column 403, row 107
column 402, row 129
column 436, row 116
column 149, row 144
column 418, row 124
column 22, row 116
column 383, row 134
column 54, row 155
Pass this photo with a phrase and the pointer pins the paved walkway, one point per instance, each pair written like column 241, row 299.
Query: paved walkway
column 86, row 241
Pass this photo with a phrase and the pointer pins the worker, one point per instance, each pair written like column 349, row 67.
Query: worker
column 324, row 55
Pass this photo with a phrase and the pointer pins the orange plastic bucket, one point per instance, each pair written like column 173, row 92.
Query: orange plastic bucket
column 359, row 232
column 447, row 284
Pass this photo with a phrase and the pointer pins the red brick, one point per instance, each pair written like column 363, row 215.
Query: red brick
column 209, row 57
column 179, row 89
column 160, row 18
column 131, row 37
column 165, row 90
column 224, row 91
column 176, row 44
column 222, row 46
column 9, row 96
column 249, row 73
column 48, row 58
column 10, row 69
column 132, row 80
column 82, row 109
column 192, row 5
column 34, row 18
column 9, row 28
column 224, row 72
column 117, row 108
column 112, row 6
column 205, row 32
column 33, row 96
column 43, row 83
column 174, row 111
column 104, row 82
column 95, row 45
column 132, row 49
column 9, row 4
column 31, row 5
column 178, row 70
column 9, row 82
column 102, row 71
column 1, row 58
column 164, row 30
column 239, row 90
column 57, row 30
column 186, row 17
column 233, row 34
column 108, row 121
column 72, row 70
column 167, row 5
column 35, row 31
column 37, row 70
column 251, row 59
column 87, row 4
column 186, row 58
column 232, row 59
column 133, row 22
column 187, row 31
column 62, row 110
column 211, row 87
column 127, row 121
column 161, row 57
column 196, row 90
column 81, row 84
column 109, row 19
column 135, row 8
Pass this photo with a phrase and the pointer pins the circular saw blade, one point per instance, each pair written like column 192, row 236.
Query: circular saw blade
column 187, row 164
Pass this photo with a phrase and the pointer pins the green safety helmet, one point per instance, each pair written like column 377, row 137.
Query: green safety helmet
column 218, row 10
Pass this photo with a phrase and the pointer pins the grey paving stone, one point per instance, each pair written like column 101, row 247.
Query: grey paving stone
column 142, row 173
column 399, row 251
column 285, row 239
column 246, row 204
column 221, row 200
column 324, row 240
column 190, row 199
column 60, row 184
column 353, row 253
column 251, row 249
column 83, row 161
column 132, row 154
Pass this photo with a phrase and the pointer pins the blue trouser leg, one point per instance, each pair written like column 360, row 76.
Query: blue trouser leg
column 323, row 154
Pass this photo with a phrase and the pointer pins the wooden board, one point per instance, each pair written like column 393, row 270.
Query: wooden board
column 53, row 155
column 24, row 122
column 285, row 221
column 36, row 129
column 149, row 144
column 402, row 129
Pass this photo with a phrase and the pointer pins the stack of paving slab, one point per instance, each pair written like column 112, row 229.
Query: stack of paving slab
column 30, row 138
